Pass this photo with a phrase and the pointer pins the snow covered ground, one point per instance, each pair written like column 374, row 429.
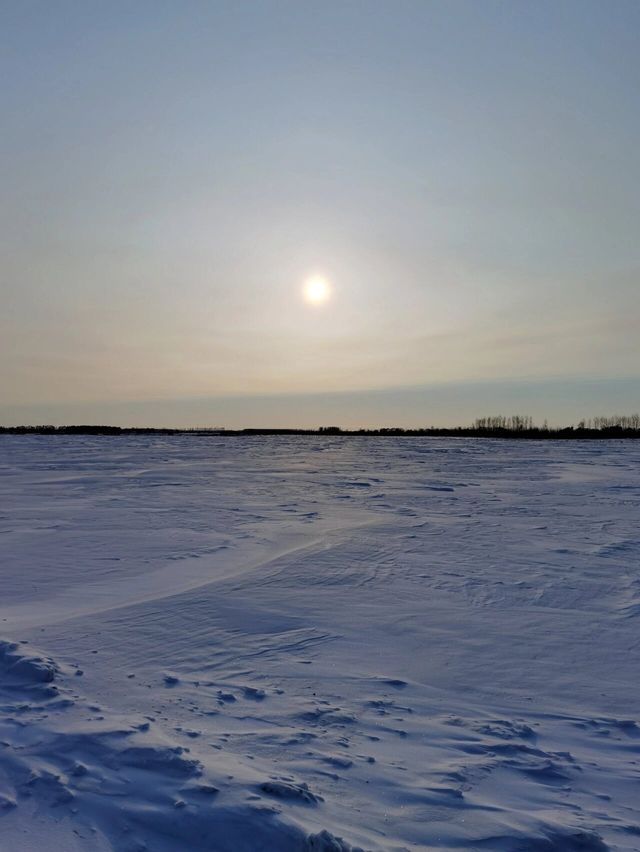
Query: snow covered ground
column 272, row 643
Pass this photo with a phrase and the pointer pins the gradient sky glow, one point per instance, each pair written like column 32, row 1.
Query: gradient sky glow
column 464, row 173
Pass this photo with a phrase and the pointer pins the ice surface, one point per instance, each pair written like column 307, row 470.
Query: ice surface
column 296, row 644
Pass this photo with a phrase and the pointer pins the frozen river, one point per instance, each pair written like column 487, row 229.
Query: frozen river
column 296, row 644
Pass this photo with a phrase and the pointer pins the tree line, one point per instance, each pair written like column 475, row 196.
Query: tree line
column 494, row 426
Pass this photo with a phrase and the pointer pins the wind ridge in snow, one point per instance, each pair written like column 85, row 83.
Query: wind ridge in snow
column 121, row 783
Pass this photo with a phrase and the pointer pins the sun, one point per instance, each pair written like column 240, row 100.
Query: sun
column 317, row 290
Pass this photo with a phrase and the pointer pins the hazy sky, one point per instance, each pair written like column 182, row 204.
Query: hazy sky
column 464, row 173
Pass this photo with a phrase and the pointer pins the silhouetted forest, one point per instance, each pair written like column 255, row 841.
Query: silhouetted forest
column 497, row 426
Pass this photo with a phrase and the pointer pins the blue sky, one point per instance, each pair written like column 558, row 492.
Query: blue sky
column 464, row 174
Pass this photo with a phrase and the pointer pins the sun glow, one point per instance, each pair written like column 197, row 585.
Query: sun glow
column 317, row 290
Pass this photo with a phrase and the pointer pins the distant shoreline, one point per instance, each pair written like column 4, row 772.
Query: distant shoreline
column 531, row 434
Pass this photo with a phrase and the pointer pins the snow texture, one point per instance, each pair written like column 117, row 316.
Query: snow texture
column 319, row 645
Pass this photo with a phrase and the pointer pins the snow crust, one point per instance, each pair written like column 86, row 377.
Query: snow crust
column 327, row 644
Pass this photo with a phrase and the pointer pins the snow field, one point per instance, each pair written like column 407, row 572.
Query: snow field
column 334, row 644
